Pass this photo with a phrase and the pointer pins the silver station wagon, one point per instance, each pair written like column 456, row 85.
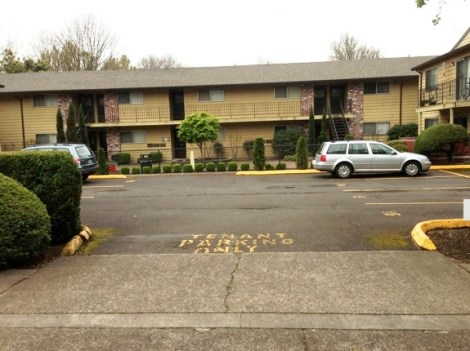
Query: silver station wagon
column 343, row 158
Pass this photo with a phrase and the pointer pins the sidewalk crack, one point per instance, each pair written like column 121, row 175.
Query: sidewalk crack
column 230, row 283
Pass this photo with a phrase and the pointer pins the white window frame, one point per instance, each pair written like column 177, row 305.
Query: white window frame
column 380, row 128
column 45, row 100
column 381, row 87
column 133, row 98
column 204, row 95
column 133, row 137
column 429, row 122
column 287, row 92
column 432, row 78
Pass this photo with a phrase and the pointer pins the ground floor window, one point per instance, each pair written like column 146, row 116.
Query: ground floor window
column 428, row 122
column 133, row 137
column 46, row 138
column 376, row 128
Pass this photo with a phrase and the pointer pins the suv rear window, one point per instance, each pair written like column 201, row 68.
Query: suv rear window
column 337, row 149
column 83, row 151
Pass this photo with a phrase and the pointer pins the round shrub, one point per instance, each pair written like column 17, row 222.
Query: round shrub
column 210, row 166
column 135, row 170
column 156, row 169
column 167, row 168
column 199, row 167
column 232, row 166
column 245, row 167
column 146, row 170
column 187, row 168
column 281, row 166
column 221, row 166
column 177, row 168
column 268, row 167
column 123, row 158
column 405, row 130
column 25, row 225
column 125, row 170
column 156, row 156
column 398, row 145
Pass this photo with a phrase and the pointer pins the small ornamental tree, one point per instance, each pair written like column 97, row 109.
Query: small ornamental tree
column 441, row 137
column 284, row 141
column 259, row 159
column 301, row 153
column 199, row 128
column 324, row 129
column 102, row 163
column 60, row 127
column 72, row 136
column 82, row 133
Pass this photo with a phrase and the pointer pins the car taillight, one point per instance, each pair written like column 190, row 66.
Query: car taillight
column 77, row 160
column 323, row 158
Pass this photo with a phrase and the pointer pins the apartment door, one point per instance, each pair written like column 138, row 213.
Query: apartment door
column 178, row 146
column 176, row 105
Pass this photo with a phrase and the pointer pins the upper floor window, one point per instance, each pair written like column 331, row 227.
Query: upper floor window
column 377, row 87
column 291, row 92
column 431, row 78
column 211, row 95
column 133, row 98
column 44, row 100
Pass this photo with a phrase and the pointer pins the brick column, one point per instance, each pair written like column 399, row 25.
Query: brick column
column 306, row 100
column 111, row 111
column 356, row 108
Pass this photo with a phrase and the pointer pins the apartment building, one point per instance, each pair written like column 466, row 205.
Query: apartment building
column 139, row 111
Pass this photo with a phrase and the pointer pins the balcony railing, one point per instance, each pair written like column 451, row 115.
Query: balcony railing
column 451, row 91
column 223, row 111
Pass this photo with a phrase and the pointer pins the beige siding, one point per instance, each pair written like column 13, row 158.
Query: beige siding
column 464, row 41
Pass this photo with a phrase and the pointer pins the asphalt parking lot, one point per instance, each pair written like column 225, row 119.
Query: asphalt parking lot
column 225, row 213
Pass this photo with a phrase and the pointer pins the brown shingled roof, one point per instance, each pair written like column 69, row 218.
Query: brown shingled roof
column 211, row 76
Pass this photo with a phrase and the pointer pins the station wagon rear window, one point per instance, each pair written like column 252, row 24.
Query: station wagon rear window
column 337, row 149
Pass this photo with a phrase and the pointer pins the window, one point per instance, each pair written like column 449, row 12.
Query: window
column 358, row 149
column 292, row 127
column 133, row 137
column 337, row 149
column 379, row 149
column 221, row 136
column 211, row 95
column 44, row 100
column 428, row 122
column 132, row 98
column 431, row 78
column 377, row 87
column 46, row 138
column 376, row 128
column 287, row 92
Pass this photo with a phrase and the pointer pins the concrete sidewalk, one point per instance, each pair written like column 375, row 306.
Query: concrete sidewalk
column 402, row 294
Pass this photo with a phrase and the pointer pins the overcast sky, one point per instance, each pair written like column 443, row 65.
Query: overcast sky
column 239, row 32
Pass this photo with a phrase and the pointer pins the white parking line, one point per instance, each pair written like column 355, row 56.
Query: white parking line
column 416, row 203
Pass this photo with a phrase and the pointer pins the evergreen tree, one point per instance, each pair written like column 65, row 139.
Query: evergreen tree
column 259, row 159
column 311, row 133
column 301, row 154
column 60, row 127
column 102, row 163
column 71, row 126
column 82, row 132
column 324, row 129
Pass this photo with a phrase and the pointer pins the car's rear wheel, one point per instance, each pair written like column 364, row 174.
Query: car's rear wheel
column 412, row 169
column 343, row 170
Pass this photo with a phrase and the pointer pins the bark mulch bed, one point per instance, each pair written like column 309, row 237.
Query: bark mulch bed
column 454, row 242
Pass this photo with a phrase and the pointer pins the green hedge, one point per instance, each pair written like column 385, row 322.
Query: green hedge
column 199, row 167
column 24, row 226
column 122, row 158
column 54, row 177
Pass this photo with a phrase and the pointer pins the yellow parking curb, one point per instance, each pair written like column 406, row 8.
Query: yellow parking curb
column 77, row 241
column 108, row 176
column 419, row 236
column 277, row 172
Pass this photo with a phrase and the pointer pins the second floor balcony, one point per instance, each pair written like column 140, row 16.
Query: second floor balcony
column 454, row 91
column 225, row 112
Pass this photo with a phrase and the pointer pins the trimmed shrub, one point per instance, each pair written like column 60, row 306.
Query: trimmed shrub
column 146, row 170
column 25, row 225
column 285, row 141
column 210, row 166
column 187, row 168
column 398, row 145
column 281, row 166
column 199, row 167
column 221, row 166
column 123, row 158
column 405, row 130
column 245, row 167
column 441, row 137
column 269, row 167
column 167, row 168
column 259, row 159
column 135, row 170
column 177, row 168
column 125, row 170
column 156, row 169
column 232, row 166
column 55, row 179
column 156, row 156
column 301, row 154
column 102, row 164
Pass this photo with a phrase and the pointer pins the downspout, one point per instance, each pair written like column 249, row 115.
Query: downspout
column 400, row 113
column 22, row 121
